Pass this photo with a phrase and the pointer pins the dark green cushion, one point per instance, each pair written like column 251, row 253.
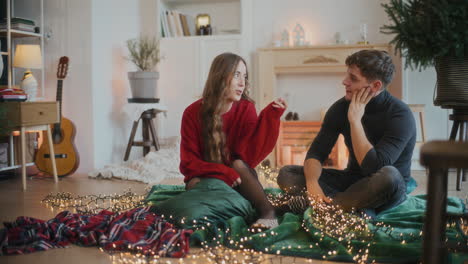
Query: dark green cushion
column 210, row 201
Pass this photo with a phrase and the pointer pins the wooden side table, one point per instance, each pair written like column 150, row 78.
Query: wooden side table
column 147, row 130
column 438, row 157
column 30, row 116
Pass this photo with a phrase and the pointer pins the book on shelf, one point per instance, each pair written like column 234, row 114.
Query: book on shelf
column 176, row 19
column 12, row 94
column 18, row 20
column 185, row 29
column 169, row 25
column 13, row 98
column 177, row 24
column 18, row 26
column 192, row 28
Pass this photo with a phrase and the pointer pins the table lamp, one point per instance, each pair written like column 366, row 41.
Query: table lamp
column 202, row 21
column 28, row 57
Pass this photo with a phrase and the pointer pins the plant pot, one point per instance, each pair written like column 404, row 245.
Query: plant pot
column 452, row 82
column 143, row 84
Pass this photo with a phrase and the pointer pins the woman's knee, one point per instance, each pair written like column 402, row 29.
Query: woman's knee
column 244, row 170
column 239, row 165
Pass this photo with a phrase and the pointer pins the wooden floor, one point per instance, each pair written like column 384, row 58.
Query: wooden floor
column 14, row 202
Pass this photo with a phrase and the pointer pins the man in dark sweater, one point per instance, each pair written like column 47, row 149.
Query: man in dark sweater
column 380, row 134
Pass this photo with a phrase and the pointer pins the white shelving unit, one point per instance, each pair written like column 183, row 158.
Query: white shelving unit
column 186, row 60
column 33, row 10
column 225, row 14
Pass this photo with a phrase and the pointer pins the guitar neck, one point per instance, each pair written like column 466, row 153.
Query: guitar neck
column 59, row 100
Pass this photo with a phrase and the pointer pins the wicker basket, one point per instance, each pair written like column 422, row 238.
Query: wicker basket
column 452, row 82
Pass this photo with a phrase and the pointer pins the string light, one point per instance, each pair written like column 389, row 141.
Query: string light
column 93, row 204
column 327, row 219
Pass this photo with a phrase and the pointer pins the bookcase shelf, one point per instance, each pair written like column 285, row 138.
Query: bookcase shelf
column 21, row 12
column 19, row 33
column 15, row 167
column 208, row 37
column 225, row 16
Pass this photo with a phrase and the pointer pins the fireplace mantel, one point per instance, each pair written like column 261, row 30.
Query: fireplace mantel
column 311, row 59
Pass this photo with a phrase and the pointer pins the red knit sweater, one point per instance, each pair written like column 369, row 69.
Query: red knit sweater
column 248, row 136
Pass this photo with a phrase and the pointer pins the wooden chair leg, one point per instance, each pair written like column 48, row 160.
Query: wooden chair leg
column 460, row 171
column 464, row 171
column 130, row 140
column 423, row 129
column 154, row 135
column 435, row 220
column 23, row 157
column 145, row 135
column 453, row 133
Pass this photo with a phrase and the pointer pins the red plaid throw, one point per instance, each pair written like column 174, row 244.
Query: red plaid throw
column 134, row 230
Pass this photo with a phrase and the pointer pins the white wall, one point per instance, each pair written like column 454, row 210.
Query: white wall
column 69, row 23
column 420, row 90
column 113, row 22
column 93, row 34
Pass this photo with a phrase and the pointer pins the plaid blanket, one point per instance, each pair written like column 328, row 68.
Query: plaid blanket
column 136, row 230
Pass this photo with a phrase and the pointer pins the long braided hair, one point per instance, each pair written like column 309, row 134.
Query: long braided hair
column 216, row 89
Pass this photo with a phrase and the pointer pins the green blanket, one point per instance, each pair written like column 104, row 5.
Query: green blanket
column 220, row 216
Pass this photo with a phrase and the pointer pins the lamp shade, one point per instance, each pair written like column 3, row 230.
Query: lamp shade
column 203, row 20
column 28, row 57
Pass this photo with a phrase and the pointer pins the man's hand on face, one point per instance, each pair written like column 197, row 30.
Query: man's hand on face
column 358, row 104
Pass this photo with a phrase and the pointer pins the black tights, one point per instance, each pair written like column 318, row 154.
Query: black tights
column 252, row 190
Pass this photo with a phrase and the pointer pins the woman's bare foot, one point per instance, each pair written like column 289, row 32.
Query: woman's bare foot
column 264, row 223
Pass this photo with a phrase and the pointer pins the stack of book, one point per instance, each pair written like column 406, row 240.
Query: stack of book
column 12, row 94
column 18, row 23
column 176, row 24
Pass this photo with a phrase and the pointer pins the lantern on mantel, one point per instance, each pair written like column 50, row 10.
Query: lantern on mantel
column 299, row 35
column 285, row 38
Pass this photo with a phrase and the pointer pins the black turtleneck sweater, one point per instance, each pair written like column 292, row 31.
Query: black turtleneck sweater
column 389, row 126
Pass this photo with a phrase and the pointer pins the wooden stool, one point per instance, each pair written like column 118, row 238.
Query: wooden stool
column 438, row 157
column 419, row 108
column 460, row 120
column 147, row 130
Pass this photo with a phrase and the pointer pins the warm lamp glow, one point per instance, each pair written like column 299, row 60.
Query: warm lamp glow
column 28, row 57
column 203, row 20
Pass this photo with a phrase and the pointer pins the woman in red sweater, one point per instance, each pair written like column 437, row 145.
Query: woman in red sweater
column 223, row 138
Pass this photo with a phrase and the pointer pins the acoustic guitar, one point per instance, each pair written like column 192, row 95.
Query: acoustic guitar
column 63, row 135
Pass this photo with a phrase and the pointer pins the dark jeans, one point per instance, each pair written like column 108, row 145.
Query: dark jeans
column 380, row 191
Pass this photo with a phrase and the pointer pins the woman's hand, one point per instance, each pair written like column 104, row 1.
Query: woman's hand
column 190, row 184
column 280, row 103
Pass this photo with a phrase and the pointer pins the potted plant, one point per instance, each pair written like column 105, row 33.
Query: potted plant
column 434, row 33
column 144, row 53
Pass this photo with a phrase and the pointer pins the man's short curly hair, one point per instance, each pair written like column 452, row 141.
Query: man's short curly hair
column 374, row 65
